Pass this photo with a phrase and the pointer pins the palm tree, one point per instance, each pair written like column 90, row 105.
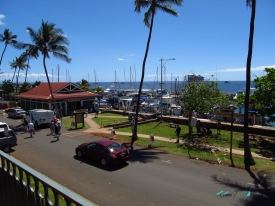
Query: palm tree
column 28, row 54
column 248, row 160
column 20, row 63
column 9, row 38
column 84, row 84
column 154, row 5
column 49, row 39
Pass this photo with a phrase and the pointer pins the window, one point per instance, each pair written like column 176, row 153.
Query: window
column 114, row 147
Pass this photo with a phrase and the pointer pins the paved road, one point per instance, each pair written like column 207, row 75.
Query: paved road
column 150, row 177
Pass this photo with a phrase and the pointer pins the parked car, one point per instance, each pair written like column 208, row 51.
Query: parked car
column 8, row 138
column 16, row 112
column 105, row 151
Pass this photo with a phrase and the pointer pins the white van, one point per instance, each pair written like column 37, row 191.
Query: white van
column 39, row 116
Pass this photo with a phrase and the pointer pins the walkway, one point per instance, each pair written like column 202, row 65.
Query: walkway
column 95, row 129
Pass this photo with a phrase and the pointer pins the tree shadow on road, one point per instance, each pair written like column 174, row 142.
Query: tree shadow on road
column 261, row 192
column 141, row 154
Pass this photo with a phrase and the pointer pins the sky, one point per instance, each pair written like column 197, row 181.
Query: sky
column 108, row 39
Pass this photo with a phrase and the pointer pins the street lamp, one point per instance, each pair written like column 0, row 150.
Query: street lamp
column 232, row 108
column 162, row 65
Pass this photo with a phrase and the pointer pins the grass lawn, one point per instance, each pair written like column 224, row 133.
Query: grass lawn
column 66, row 124
column 180, row 149
column 111, row 114
column 102, row 121
column 223, row 140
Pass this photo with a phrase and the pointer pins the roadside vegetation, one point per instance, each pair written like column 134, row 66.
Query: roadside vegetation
column 262, row 145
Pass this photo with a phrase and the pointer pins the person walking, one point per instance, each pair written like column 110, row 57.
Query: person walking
column 177, row 132
column 56, row 131
column 31, row 129
column 25, row 123
column 218, row 126
column 96, row 111
column 52, row 128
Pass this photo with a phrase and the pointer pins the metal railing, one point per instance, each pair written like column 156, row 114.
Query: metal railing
column 22, row 185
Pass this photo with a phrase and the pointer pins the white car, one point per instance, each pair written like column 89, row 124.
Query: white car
column 16, row 113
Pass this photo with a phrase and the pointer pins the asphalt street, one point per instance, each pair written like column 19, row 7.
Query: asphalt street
column 150, row 177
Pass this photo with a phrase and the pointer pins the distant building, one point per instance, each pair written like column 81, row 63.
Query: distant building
column 67, row 95
column 193, row 78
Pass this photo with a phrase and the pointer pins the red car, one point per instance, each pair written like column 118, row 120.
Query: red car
column 106, row 151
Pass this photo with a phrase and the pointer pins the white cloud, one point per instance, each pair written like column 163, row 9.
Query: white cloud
column 243, row 69
column 121, row 59
column 130, row 55
column 2, row 16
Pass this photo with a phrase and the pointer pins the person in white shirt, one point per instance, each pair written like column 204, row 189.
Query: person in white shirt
column 31, row 128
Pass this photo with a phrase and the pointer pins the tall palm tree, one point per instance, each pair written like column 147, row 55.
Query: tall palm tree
column 248, row 160
column 28, row 54
column 154, row 5
column 49, row 39
column 20, row 63
column 10, row 39
column 84, row 84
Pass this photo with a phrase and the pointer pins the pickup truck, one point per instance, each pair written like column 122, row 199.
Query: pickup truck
column 8, row 138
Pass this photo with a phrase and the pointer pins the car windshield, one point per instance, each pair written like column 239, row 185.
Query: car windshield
column 20, row 111
column 2, row 134
column 114, row 147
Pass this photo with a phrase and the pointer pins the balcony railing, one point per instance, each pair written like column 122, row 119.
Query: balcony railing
column 22, row 185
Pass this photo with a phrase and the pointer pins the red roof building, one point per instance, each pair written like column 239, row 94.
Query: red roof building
column 67, row 95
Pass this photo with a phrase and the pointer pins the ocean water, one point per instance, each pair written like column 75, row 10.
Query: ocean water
column 231, row 87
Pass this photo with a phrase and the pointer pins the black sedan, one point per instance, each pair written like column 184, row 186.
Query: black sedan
column 106, row 151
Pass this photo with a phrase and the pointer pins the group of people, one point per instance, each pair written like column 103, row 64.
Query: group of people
column 55, row 128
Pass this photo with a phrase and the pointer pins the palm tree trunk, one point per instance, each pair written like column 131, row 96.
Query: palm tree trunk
column 3, row 54
column 248, row 160
column 13, row 75
column 17, row 80
column 27, row 69
column 134, row 136
column 46, row 72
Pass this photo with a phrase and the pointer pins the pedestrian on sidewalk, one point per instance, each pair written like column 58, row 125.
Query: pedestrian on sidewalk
column 96, row 111
column 177, row 132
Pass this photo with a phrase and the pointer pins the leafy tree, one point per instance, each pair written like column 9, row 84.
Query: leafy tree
column 98, row 90
column 265, row 88
column 25, row 87
column 154, row 5
column 84, row 84
column 28, row 54
column 9, row 39
column 248, row 160
column 36, row 83
column 49, row 39
column 7, row 87
column 202, row 97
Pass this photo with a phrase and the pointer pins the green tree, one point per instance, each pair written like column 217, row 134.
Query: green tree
column 49, row 39
column 98, row 90
column 84, row 84
column 9, row 39
column 201, row 96
column 265, row 88
column 154, row 5
column 29, row 54
column 7, row 87
column 25, row 87
column 36, row 83
column 248, row 160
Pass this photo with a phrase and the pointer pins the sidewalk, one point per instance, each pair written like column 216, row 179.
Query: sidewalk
column 95, row 129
